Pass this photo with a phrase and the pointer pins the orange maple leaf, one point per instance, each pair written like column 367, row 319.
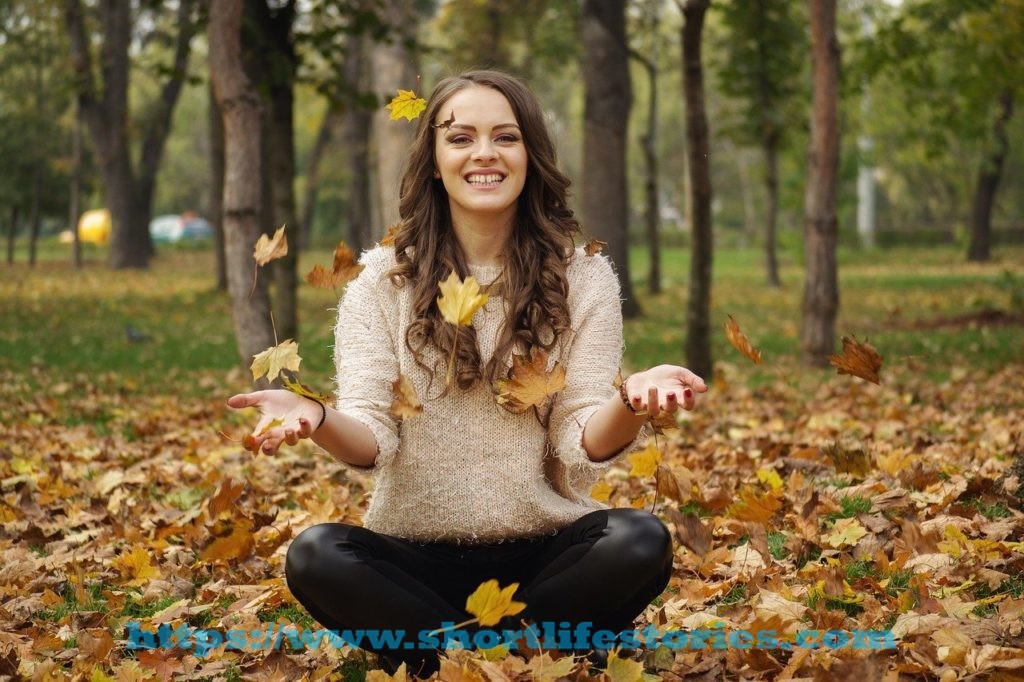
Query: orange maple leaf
column 740, row 341
column 594, row 246
column 529, row 383
column 858, row 359
column 343, row 270
column 752, row 506
column 389, row 238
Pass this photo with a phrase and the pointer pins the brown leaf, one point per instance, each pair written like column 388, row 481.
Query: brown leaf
column 344, row 269
column 691, row 531
column 668, row 484
column 752, row 506
column 858, row 359
column 389, row 238
column 530, row 383
column 227, row 492
column 740, row 341
column 594, row 246
column 270, row 248
column 406, row 404
column 853, row 461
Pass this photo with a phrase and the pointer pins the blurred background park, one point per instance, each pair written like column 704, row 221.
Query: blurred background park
column 111, row 123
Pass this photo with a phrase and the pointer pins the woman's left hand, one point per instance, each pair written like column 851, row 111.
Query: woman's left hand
column 664, row 388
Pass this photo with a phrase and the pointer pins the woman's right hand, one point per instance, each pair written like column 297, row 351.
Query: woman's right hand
column 284, row 417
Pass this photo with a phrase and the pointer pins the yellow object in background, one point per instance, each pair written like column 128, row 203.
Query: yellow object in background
column 94, row 226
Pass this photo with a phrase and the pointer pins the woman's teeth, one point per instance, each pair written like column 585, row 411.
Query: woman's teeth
column 485, row 179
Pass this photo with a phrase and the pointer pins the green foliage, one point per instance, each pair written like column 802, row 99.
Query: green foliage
column 776, row 542
column 850, row 506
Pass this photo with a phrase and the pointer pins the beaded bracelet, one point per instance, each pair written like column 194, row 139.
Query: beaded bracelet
column 625, row 396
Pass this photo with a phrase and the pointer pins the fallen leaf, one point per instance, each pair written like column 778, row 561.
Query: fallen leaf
column 858, row 359
column 846, row 532
column 460, row 299
column 344, row 269
column 645, row 462
column 270, row 362
column 691, row 531
column 405, row 404
column 601, row 491
column 490, row 603
column 753, row 506
column 406, row 105
column 136, row 564
column 546, row 669
column 270, row 248
column 740, row 341
column 853, row 461
column 530, row 384
column 623, row 669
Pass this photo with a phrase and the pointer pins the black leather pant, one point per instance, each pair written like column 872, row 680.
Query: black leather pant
column 604, row 568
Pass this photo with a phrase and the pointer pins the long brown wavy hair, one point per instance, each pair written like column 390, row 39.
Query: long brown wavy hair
column 533, row 280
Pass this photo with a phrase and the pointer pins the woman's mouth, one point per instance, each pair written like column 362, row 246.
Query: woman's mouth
column 485, row 180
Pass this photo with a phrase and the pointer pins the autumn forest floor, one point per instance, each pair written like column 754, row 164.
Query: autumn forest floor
column 799, row 499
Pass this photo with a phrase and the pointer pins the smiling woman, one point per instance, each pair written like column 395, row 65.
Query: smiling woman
column 473, row 488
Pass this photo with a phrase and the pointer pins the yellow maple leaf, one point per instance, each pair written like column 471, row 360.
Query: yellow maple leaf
column 303, row 390
column 490, row 603
column 406, row 403
column 344, row 269
column 601, row 491
column 270, row 248
column 740, row 341
column 406, row 105
column 857, row 359
column 623, row 669
column 136, row 564
column 270, row 362
column 771, row 478
column 645, row 462
column 846, row 532
column 380, row 676
column 460, row 299
column 545, row 669
column 530, row 383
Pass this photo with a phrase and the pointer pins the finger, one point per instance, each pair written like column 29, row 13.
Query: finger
column 305, row 428
column 244, row 400
column 689, row 399
column 671, row 402
column 691, row 379
column 652, row 402
column 271, row 445
column 291, row 437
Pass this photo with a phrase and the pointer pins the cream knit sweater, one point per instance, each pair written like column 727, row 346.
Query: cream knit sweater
column 466, row 470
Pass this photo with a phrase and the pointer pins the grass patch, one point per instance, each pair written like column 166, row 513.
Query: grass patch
column 990, row 510
column 291, row 614
column 776, row 542
column 141, row 609
column 94, row 602
column 849, row 507
column 736, row 594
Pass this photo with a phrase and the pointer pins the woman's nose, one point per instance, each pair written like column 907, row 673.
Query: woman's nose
column 484, row 151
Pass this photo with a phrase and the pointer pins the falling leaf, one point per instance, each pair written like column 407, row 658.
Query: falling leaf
column 668, row 484
column 459, row 300
column 645, row 462
column 846, row 532
column 227, row 493
column 406, row 404
column 270, row 362
column 389, row 238
column 490, row 603
column 691, row 531
column 623, row 669
column 273, row 423
column 344, row 269
column 406, row 105
column 136, row 564
column 270, row 248
column 740, row 341
column 530, row 383
column 601, row 491
column 303, row 390
column 754, row 506
column 858, row 359
column 594, row 246
column 444, row 125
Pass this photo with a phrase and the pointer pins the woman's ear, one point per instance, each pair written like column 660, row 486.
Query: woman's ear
column 437, row 174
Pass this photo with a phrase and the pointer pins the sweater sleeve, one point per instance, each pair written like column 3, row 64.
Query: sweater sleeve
column 365, row 359
column 593, row 361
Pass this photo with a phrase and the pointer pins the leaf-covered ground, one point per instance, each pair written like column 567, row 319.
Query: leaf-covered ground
column 802, row 500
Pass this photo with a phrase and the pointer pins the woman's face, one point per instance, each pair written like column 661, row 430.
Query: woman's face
column 480, row 157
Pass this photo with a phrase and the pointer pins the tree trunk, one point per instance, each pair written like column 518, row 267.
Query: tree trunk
column 33, row 213
column 770, row 144
column 242, row 188
column 75, row 204
column 647, row 143
column 12, row 231
column 106, row 115
column 394, row 67
column 355, row 138
column 608, row 99
column 698, row 147
column 989, row 175
column 323, row 139
column 821, row 286
column 217, row 188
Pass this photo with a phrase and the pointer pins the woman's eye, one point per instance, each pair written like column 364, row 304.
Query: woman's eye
column 459, row 139
column 508, row 138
